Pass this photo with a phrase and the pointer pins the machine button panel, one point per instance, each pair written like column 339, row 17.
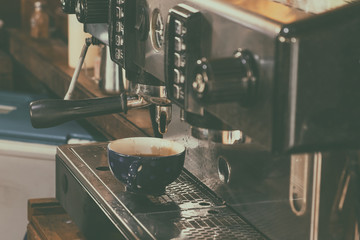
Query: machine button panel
column 179, row 60
column 176, row 90
column 119, row 54
column 180, row 29
column 182, row 49
column 181, row 95
column 117, row 33
column 178, row 45
column 119, row 27
column 119, row 41
column 178, row 76
column 119, row 12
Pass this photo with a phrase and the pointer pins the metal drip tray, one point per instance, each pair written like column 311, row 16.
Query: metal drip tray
column 209, row 223
column 187, row 210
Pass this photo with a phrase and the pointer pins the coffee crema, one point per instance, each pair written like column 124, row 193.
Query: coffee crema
column 148, row 155
column 163, row 153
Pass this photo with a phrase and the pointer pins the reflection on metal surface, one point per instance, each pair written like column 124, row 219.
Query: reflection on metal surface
column 343, row 192
column 220, row 136
column 136, row 102
column 154, row 94
column 299, row 178
column 110, row 73
column 315, row 211
column 98, row 30
column 294, row 56
column 347, row 178
column 157, row 30
column 224, row 170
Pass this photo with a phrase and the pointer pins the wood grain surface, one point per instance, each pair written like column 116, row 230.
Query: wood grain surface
column 49, row 221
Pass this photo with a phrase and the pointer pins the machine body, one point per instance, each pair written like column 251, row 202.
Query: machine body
column 263, row 95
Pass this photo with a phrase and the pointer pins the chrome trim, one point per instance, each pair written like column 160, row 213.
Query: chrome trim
column 294, row 58
column 224, row 170
column 155, row 91
column 315, row 202
column 299, row 178
column 136, row 102
column 153, row 94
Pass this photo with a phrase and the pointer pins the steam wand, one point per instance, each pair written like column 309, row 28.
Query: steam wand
column 88, row 42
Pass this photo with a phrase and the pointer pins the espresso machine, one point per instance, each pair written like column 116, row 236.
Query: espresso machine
column 264, row 96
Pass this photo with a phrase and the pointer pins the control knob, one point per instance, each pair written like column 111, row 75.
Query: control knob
column 92, row 11
column 68, row 6
column 226, row 79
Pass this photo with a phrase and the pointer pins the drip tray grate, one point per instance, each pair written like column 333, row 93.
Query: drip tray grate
column 187, row 210
column 219, row 223
column 187, row 192
column 210, row 223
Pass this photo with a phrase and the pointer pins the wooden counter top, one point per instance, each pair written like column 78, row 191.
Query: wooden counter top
column 47, row 60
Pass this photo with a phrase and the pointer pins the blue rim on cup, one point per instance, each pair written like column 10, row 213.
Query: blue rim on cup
column 144, row 164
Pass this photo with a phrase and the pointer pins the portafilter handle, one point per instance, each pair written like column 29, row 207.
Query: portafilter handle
column 51, row 112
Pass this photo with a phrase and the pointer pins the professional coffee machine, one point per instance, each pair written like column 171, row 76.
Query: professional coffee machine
column 263, row 96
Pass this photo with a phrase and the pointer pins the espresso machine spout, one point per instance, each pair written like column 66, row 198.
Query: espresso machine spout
column 163, row 117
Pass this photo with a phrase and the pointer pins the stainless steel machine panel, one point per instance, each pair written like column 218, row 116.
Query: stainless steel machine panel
column 304, row 76
column 149, row 55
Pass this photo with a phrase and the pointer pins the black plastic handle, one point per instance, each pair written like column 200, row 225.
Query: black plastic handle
column 51, row 112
